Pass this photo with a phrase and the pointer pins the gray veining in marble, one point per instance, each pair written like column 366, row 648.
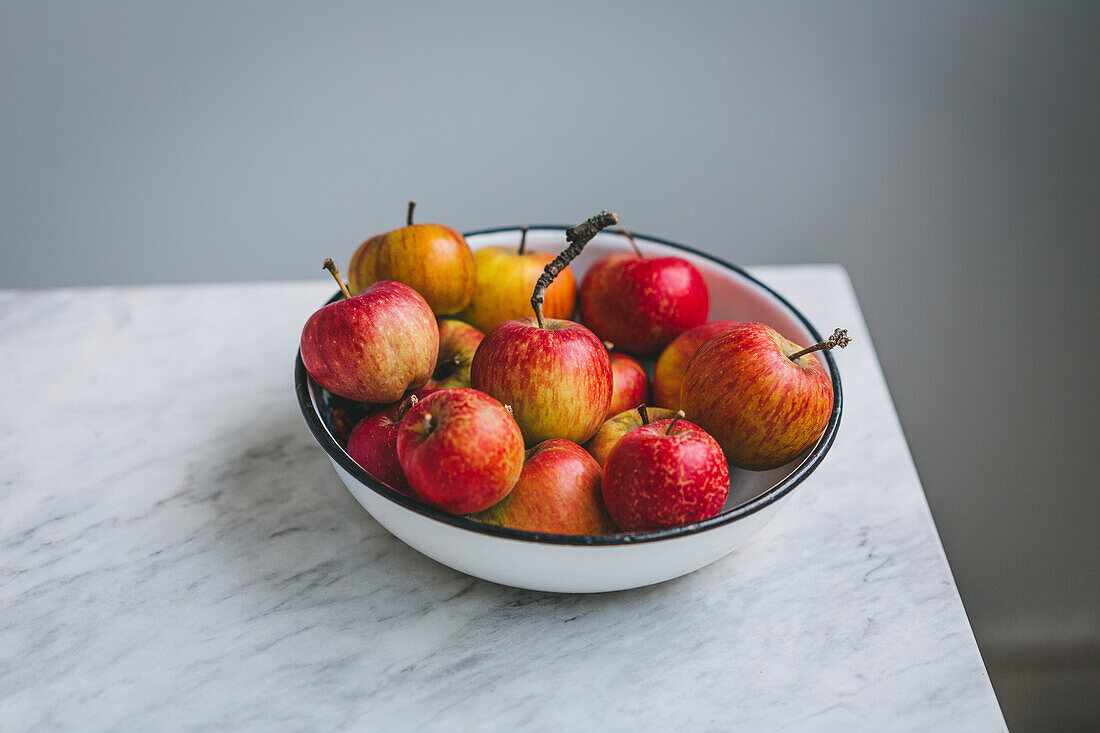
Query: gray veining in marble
column 176, row 553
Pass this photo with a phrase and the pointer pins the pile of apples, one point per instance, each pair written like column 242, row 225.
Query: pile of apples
column 459, row 380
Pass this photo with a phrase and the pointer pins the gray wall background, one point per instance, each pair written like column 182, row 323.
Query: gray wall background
column 946, row 154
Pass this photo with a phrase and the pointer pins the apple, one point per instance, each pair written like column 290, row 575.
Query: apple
column 764, row 398
column 614, row 428
column 554, row 373
column 506, row 276
column 374, row 346
column 457, row 343
column 641, row 303
column 665, row 474
column 558, row 491
column 629, row 384
column 460, row 450
column 373, row 442
column 431, row 258
column 672, row 362
column 557, row 377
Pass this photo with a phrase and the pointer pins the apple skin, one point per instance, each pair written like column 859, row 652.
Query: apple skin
column 431, row 258
column 762, row 408
column 373, row 444
column 558, row 491
column 614, row 428
column 456, row 339
column 374, row 346
column 460, row 450
column 673, row 361
column 630, row 384
column 640, row 305
column 557, row 379
column 652, row 480
column 505, row 281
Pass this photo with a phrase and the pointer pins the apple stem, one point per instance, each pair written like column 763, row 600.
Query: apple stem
column 675, row 419
column 578, row 236
column 408, row 404
column 512, row 413
column 608, row 345
column 634, row 244
column 522, row 241
column 329, row 265
column 409, row 216
column 429, row 423
column 644, row 413
column 839, row 338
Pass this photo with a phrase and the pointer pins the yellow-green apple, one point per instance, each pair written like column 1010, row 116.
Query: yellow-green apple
column 505, row 278
column 558, row 491
column 431, row 258
column 641, row 303
column 460, row 450
column 374, row 346
column 373, row 442
column 554, row 373
column 665, row 474
column 613, row 429
column 629, row 384
column 764, row 398
column 457, row 343
column 673, row 361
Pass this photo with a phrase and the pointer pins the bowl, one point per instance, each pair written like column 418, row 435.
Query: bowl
column 595, row 563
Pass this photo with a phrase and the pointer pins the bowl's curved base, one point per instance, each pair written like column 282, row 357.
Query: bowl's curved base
column 553, row 567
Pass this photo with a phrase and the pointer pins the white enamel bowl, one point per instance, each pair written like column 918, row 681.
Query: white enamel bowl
column 596, row 563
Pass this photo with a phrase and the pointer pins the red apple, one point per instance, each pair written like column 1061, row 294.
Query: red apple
column 457, row 343
column 431, row 258
column 460, row 450
column 557, row 378
column 763, row 407
column 614, row 428
column 664, row 474
column 673, row 361
column 506, row 276
column 629, row 384
column 555, row 374
column 374, row 346
column 641, row 304
column 558, row 491
column 373, row 442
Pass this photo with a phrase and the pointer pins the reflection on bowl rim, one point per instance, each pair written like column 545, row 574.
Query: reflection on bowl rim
column 303, row 384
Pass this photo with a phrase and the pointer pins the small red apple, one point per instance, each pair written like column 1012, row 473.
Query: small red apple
column 665, row 474
column 374, row 346
column 431, row 258
column 460, row 450
column 457, row 343
column 630, row 384
column 614, row 428
column 373, row 442
column 764, row 398
column 641, row 303
column 673, row 361
column 558, row 491
column 555, row 374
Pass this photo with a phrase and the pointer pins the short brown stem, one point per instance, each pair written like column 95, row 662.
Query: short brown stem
column 608, row 345
column 634, row 244
column 522, row 240
column 839, row 338
column 331, row 267
column 409, row 216
column 408, row 404
column 577, row 236
column 675, row 419
column 644, row 413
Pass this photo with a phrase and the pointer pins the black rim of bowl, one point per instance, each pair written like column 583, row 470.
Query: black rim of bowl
column 302, row 382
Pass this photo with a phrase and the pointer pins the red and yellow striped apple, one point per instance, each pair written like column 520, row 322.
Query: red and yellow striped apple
column 673, row 361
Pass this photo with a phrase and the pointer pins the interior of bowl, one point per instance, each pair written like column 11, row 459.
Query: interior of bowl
column 734, row 295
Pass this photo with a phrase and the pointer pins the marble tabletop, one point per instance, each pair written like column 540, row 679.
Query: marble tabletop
column 176, row 553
